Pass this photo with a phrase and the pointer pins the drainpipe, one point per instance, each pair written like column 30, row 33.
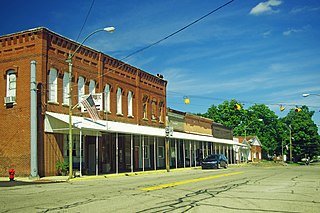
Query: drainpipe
column 33, row 122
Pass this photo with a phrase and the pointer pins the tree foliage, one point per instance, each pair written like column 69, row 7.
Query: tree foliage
column 259, row 120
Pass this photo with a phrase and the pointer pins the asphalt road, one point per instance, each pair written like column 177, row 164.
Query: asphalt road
column 236, row 189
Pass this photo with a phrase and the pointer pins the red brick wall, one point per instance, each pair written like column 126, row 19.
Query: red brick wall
column 16, row 52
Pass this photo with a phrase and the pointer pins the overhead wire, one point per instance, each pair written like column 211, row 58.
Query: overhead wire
column 164, row 38
column 85, row 21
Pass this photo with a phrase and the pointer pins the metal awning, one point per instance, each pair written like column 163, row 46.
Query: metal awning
column 59, row 123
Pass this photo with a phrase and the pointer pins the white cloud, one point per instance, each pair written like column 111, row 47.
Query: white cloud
column 265, row 7
column 290, row 31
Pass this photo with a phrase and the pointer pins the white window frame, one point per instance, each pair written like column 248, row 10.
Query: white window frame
column 153, row 110
column 11, row 83
column 130, row 104
column 80, row 89
column 65, row 92
column 92, row 87
column 53, row 85
column 119, row 101
column 107, row 98
column 161, row 112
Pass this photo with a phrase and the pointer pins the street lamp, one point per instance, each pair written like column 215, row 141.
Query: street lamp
column 69, row 61
column 245, row 127
column 290, row 140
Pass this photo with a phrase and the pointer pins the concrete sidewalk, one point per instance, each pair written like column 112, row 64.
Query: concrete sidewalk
column 53, row 179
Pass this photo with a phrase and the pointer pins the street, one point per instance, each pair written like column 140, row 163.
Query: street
column 236, row 189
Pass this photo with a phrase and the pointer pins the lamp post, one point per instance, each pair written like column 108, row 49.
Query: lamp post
column 290, row 141
column 69, row 61
column 245, row 127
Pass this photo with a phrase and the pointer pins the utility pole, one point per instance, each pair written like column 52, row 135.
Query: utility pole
column 290, row 144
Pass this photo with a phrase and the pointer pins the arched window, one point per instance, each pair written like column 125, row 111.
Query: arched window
column 92, row 87
column 161, row 111
column 107, row 98
column 145, row 107
column 130, row 104
column 80, row 89
column 11, row 86
column 119, row 101
column 53, row 85
column 153, row 110
column 65, row 94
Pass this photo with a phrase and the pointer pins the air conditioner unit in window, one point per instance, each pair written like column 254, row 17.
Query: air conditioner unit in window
column 9, row 100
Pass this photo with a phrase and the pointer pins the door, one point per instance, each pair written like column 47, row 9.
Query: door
column 92, row 159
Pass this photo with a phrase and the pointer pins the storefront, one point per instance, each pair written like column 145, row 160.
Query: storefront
column 104, row 147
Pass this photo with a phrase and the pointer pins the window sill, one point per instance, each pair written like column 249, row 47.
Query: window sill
column 120, row 114
column 130, row 116
column 145, row 119
column 65, row 105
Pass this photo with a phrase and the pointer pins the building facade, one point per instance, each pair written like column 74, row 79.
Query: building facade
column 131, row 134
column 254, row 151
column 130, row 96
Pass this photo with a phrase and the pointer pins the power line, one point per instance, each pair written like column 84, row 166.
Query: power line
column 163, row 39
column 178, row 31
column 85, row 21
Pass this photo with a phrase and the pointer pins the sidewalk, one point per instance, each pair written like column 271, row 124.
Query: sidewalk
column 55, row 179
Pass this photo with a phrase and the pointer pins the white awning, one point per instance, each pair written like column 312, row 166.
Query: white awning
column 59, row 123
column 56, row 122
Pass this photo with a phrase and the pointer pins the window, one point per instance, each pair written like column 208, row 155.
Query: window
column 146, row 152
column 153, row 110
column 92, row 87
column 145, row 107
column 130, row 94
column 160, row 151
column 161, row 111
column 65, row 94
column 107, row 98
column 119, row 101
column 80, row 89
column 53, row 85
column 11, row 84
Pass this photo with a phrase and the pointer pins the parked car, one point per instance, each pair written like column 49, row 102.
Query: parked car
column 215, row 161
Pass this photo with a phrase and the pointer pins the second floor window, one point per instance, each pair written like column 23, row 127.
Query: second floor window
column 53, row 85
column 130, row 104
column 153, row 110
column 92, row 87
column 107, row 98
column 161, row 111
column 145, row 107
column 119, row 101
column 80, row 89
column 65, row 92
column 11, row 83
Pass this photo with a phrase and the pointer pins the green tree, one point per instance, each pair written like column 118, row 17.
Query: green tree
column 226, row 114
column 265, row 125
column 305, row 138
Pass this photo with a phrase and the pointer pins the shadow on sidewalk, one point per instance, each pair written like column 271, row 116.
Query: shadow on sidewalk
column 24, row 183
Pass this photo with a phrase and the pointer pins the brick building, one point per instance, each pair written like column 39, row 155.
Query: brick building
column 131, row 98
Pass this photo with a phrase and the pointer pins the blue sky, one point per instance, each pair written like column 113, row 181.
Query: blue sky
column 257, row 51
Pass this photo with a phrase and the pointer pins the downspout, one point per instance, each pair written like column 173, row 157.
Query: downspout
column 33, row 122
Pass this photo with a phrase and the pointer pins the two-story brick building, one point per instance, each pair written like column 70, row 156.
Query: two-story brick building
column 133, row 107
